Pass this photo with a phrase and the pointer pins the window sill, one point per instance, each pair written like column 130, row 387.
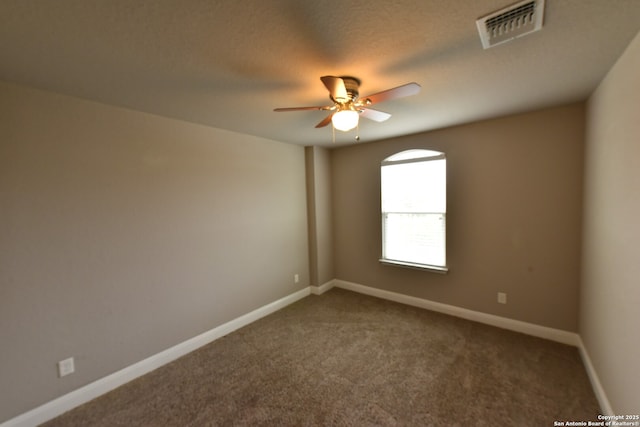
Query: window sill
column 415, row 266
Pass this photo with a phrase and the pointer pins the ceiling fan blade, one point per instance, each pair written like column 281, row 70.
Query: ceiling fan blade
column 302, row 108
column 336, row 88
column 375, row 115
column 325, row 122
column 397, row 92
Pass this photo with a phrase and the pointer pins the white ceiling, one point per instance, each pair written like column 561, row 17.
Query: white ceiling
column 228, row 63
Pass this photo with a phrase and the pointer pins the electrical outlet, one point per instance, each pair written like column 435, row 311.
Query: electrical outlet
column 66, row 367
column 296, row 278
column 502, row 297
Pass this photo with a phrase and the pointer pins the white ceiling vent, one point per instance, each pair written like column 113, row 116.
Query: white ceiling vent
column 513, row 21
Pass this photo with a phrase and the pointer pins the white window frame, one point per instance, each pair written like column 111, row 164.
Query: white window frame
column 406, row 157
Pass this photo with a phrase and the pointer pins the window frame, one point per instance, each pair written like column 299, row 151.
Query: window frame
column 422, row 155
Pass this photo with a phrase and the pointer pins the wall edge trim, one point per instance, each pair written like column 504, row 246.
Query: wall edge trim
column 103, row 385
column 596, row 385
column 558, row 335
column 79, row 396
column 319, row 290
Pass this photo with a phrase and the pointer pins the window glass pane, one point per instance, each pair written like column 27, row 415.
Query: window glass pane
column 417, row 238
column 413, row 154
column 414, row 204
column 414, row 187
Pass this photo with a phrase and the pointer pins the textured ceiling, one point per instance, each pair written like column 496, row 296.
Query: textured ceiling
column 228, row 63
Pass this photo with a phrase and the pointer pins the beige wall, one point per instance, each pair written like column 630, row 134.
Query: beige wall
column 514, row 216
column 123, row 234
column 319, row 215
column 610, row 293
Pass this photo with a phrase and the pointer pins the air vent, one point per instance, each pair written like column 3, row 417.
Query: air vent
column 511, row 22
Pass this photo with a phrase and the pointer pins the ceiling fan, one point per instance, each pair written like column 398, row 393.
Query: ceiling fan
column 348, row 107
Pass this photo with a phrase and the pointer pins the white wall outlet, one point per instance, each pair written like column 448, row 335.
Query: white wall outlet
column 296, row 278
column 66, row 367
column 502, row 297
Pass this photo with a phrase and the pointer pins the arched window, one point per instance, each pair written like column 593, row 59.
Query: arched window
column 414, row 209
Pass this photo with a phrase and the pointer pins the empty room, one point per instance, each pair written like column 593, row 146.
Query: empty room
column 319, row 213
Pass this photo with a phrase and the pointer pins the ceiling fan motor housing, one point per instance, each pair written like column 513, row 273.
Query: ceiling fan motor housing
column 343, row 91
column 352, row 85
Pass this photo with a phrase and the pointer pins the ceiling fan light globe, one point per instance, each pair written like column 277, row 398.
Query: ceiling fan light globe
column 345, row 120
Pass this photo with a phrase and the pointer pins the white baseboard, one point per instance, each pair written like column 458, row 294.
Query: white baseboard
column 552, row 334
column 319, row 290
column 97, row 388
column 603, row 401
column 84, row 394
column 558, row 335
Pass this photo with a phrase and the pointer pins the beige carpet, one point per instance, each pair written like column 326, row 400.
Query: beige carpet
column 346, row 359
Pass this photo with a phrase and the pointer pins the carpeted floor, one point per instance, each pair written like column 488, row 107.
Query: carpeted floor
column 346, row 359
